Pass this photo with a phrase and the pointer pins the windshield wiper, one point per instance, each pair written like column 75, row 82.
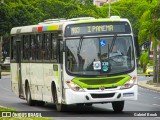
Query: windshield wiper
column 78, row 52
column 80, row 45
column 112, row 44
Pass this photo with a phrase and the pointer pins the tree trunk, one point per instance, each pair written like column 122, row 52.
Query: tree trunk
column 158, row 78
column 155, row 65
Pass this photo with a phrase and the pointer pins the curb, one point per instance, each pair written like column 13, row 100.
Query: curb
column 144, row 84
column 3, row 107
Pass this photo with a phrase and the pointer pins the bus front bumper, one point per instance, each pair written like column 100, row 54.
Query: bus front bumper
column 106, row 96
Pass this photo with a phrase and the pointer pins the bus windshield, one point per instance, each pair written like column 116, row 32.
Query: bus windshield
column 99, row 55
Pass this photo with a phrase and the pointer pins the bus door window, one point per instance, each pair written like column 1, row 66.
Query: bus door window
column 13, row 48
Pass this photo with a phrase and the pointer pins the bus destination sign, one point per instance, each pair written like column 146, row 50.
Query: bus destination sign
column 97, row 28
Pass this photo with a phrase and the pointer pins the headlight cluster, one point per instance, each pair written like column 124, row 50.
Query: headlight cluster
column 129, row 83
column 74, row 86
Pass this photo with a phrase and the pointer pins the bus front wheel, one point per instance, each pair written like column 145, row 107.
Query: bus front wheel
column 28, row 96
column 118, row 106
column 59, row 106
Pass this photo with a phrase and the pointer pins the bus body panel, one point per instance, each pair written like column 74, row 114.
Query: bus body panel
column 51, row 75
column 14, row 78
column 36, row 80
column 73, row 97
column 40, row 77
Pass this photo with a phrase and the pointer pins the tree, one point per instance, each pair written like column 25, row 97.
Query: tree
column 5, row 13
column 149, row 29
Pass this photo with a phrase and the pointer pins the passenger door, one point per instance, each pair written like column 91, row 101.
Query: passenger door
column 18, row 61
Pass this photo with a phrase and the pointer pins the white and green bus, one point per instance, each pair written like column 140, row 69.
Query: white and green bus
column 81, row 61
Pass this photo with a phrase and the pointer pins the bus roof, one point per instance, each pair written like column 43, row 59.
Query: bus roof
column 58, row 24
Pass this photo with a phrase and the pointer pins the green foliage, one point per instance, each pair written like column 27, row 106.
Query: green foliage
column 149, row 22
column 144, row 61
column 5, row 24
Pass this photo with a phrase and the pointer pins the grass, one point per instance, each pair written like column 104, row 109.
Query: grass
column 18, row 118
column 7, row 109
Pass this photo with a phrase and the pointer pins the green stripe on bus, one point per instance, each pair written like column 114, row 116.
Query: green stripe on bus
column 103, row 81
column 98, row 20
column 57, row 74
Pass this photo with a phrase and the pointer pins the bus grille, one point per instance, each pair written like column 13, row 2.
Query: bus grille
column 101, row 81
column 108, row 95
column 99, row 88
column 97, row 82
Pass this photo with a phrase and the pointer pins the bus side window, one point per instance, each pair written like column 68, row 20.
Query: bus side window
column 39, row 46
column 43, row 46
column 36, row 47
column 47, row 46
column 26, row 47
column 54, row 47
column 33, row 48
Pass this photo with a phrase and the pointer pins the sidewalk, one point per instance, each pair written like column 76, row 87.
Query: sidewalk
column 144, row 84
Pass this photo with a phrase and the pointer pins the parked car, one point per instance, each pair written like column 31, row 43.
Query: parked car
column 7, row 60
column 149, row 71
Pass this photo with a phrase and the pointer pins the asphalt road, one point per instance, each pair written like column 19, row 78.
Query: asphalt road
column 148, row 102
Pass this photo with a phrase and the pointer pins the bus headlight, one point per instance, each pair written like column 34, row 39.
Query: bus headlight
column 74, row 86
column 129, row 83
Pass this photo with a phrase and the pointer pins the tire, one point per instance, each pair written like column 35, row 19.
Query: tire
column 60, row 107
column 28, row 96
column 40, row 103
column 118, row 106
column 80, row 104
column 88, row 104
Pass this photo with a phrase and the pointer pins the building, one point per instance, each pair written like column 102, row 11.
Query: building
column 101, row 2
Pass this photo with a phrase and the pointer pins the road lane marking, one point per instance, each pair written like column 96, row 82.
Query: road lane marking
column 155, row 104
column 156, row 98
column 157, row 117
